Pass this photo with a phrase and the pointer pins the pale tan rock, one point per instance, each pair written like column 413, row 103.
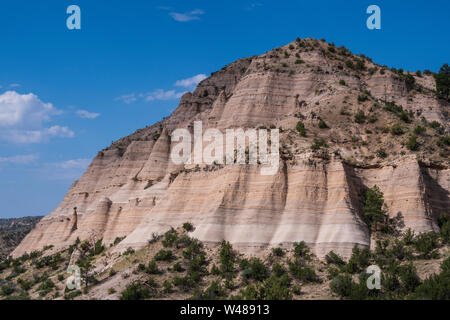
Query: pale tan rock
column 128, row 190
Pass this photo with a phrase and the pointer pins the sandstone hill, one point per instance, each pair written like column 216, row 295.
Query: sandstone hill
column 362, row 124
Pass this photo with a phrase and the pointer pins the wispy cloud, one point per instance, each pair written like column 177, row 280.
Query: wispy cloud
column 191, row 82
column 160, row 94
column 22, row 118
column 86, row 114
column 65, row 170
column 187, row 16
column 20, row 159
column 14, row 85
column 253, row 6
column 127, row 98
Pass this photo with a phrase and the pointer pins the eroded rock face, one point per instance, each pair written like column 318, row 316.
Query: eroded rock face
column 132, row 188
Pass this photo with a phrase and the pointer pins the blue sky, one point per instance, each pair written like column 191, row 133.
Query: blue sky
column 66, row 94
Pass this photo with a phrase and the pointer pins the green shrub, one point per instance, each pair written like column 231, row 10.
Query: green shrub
column 255, row 270
column 303, row 273
column 419, row 130
column 164, row 255
column 333, row 258
column 444, row 226
column 301, row 128
column 177, row 267
column 381, row 154
column 412, row 143
column 397, row 130
column 360, row 117
column 359, row 260
column 342, row 285
column 227, row 258
column 373, row 210
column 342, row 82
column 322, row 124
column 277, row 252
column 188, row 226
column 169, row 238
column 136, row 291
column 443, row 82
column 273, row 288
column 408, row 277
column 425, row 244
column 318, row 143
column 152, row 268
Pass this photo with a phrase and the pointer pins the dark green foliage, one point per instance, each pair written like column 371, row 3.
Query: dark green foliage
column 278, row 270
column 360, row 117
column 227, row 258
column 359, row 260
column 164, row 255
column 333, row 258
column 412, row 143
column 444, row 225
column 397, row 130
column 299, row 61
column 322, row 124
column 98, row 248
column 373, row 210
column 277, row 252
column 46, row 287
column 398, row 111
column 213, row 292
column 178, row 268
column 342, row 285
column 301, row 250
column 256, row 270
column 188, row 226
column 152, row 268
column 381, row 153
column 169, row 238
column 425, row 244
column 318, row 143
column 419, row 130
column 301, row 128
column 7, row 289
column 409, row 82
column 303, row 273
column 443, row 142
column 136, row 291
column 273, row 288
column 443, row 82
column 342, row 82
column 408, row 277
column 70, row 295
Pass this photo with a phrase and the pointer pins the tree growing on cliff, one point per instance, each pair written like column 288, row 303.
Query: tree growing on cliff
column 443, row 82
column 374, row 207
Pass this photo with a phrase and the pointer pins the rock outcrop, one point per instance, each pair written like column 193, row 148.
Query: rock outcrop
column 132, row 189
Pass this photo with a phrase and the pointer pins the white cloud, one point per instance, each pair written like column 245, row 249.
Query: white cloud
column 86, row 114
column 65, row 170
column 14, row 85
column 22, row 159
column 160, row 94
column 127, row 98
column 191, row 82
column 22, row 119
column 73, row 164
column 188, row 16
